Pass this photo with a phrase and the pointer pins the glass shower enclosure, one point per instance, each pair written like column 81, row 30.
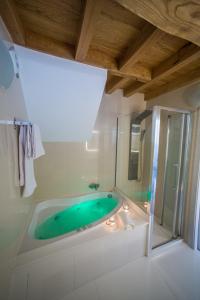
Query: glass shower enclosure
column 170, row 140
column 155, row 177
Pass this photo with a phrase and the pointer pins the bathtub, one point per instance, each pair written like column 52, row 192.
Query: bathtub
column 98, row 249
column 49, row 208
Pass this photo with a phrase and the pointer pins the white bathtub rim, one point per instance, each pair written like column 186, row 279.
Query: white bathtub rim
column 71, row 200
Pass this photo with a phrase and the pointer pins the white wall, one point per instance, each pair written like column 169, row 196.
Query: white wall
column 180, row 98
column 61, row 96
column 69, row 167
column 14, row 211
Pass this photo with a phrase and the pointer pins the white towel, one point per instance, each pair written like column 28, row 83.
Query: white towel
column 38, row 149
column 30, row 148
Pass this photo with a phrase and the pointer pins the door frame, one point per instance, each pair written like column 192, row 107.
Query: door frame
column 193, row 194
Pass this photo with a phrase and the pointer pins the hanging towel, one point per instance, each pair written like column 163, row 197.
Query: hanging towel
column 38, row 149
column 22, row 139
column 30, row 148
column 29, row 144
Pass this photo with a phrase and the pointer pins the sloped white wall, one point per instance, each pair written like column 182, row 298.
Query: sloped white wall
column 61, row 96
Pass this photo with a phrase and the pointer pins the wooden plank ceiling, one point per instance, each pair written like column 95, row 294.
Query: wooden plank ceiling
column 146, row 47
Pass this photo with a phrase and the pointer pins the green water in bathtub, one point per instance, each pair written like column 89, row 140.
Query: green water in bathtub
column 75, row 217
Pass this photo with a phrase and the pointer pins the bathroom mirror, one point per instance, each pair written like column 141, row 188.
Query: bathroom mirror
column 135, row 144
column 134, row 151
column 6, row 66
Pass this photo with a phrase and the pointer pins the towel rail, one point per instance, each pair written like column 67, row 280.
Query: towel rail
column 15, row 122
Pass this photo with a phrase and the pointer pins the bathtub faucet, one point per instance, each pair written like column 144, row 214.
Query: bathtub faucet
column 94, row 186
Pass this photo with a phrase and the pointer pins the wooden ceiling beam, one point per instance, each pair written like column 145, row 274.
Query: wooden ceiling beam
column 119, row 79
column 12, row 21
column 91, row 13
column 138, row 72
column 115, row 83
column 148, row 36
column 47, row 45
column 179, row 18
column 94, row 57
column 180, row 81
column 185, row 56
column 133, row 89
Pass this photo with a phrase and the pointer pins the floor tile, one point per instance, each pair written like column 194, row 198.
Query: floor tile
column 136, row 281
column 87, row 292
column 180, row 267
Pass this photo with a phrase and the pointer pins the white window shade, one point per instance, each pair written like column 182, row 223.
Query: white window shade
column 61, row 96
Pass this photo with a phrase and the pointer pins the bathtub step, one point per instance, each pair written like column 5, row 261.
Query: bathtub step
column 76, row 266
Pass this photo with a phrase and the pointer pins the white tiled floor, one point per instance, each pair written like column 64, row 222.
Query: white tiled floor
column 174, row 274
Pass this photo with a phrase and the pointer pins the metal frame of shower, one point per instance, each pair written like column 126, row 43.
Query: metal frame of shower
column 154, row 163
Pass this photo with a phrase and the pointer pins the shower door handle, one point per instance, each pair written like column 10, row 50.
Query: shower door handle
column 176, row 175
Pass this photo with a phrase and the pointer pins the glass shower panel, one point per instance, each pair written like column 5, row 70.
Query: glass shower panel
column 145, row 194
column 133, row 158
column 172, row 172
column 170, row 162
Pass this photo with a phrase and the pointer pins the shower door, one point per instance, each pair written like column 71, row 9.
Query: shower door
column 172, row 174
column 168, row 188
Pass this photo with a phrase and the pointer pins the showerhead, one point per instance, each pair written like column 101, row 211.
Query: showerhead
column 139, row 118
